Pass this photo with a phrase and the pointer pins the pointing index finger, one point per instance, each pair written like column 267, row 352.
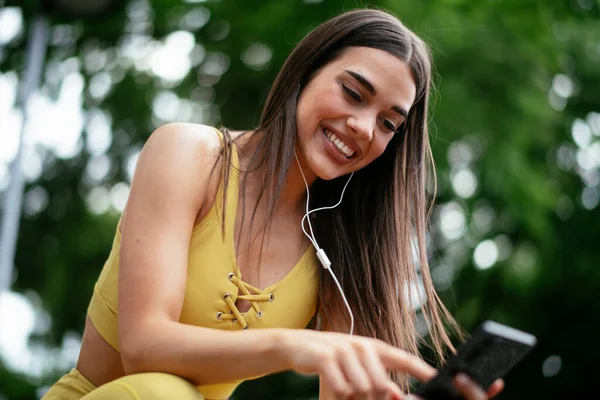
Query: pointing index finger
column 399, row 360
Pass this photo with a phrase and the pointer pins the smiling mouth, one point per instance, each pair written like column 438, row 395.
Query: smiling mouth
column 338, row 143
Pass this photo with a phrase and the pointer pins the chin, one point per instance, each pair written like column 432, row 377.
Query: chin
column 330, row 175
column 321, row 166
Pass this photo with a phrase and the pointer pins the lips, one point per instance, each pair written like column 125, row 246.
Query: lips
column 344, row 145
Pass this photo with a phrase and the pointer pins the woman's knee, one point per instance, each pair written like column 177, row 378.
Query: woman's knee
column 147, row 386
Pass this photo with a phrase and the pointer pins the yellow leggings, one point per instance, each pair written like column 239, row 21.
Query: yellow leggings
column 147, row 386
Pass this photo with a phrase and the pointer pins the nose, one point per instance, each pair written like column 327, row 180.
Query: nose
column 362, row 124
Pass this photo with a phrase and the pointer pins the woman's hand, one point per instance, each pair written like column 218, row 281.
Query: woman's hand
column 470, row 390
column 352, row 367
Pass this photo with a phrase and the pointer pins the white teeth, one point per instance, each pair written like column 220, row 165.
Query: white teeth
column 344, row 149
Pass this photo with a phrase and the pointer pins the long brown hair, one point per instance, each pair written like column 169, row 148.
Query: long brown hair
column 376, row 237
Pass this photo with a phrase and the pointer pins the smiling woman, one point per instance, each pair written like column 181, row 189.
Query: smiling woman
column 211, row 280
column 351, row 109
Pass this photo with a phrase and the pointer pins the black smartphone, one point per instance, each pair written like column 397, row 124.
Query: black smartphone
column 489, row 353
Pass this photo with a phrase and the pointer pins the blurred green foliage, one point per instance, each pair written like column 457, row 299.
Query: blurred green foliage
column 512, row 79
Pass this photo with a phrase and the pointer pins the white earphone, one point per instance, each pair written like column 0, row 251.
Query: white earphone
column 320, row 252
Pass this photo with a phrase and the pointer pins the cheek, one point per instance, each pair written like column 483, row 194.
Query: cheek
column 332, row 105
column 326, row 104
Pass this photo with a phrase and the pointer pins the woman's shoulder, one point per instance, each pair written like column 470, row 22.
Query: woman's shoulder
column 176, row 164
column 195, row 137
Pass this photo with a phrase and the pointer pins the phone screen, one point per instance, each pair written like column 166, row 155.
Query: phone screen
column 493, row 357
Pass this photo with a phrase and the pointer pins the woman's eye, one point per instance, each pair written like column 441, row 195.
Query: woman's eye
column 355, row 96
column 389, row 126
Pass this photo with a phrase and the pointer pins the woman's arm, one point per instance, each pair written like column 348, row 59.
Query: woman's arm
column 167, row 193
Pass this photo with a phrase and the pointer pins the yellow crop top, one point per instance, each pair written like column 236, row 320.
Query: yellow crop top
column 214, row 283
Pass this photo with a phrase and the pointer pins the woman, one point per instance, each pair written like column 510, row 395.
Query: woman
column 214, row 216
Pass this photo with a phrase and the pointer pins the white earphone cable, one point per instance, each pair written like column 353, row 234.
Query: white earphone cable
column 320, row 252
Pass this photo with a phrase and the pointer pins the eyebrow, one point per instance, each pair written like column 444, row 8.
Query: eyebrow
column 369, row 86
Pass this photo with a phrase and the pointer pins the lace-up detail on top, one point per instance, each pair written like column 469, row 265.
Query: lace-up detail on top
column 250, row 293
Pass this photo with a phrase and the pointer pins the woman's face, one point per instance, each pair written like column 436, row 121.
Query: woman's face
column 348, row 112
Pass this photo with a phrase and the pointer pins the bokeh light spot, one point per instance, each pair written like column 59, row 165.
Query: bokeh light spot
column 551, row 366
column 486, row 254
column 452, row 220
